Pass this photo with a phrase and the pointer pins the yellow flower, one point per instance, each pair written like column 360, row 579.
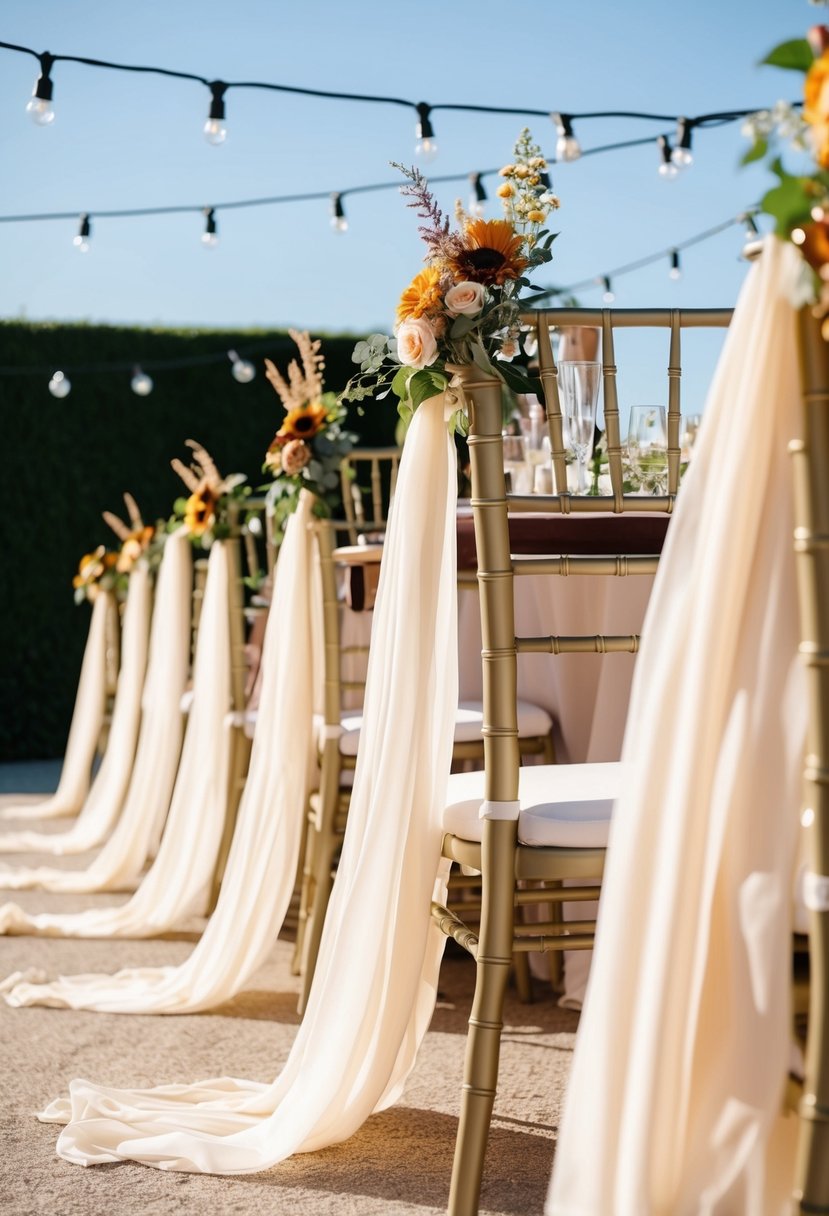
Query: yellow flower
column 816, row 107
column 304, row 422
column 521, row 171
column 421, row 296
column 490, row 253
column 507, row 171
column 536, row 217
column 200, row 511
column 90, row 568
column 505, row 191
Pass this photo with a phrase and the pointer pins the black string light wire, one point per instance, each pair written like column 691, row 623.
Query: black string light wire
column 41, row 109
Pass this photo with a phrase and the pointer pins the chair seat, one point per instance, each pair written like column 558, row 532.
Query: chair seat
column 533, row 721
column 562, row 805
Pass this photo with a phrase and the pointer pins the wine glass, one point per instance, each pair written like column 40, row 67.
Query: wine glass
column 647, row 445
column 516, row 465
column 579, row 384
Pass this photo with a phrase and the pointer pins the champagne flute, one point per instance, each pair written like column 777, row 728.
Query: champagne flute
column 647, row 445
column 579, row 382
column 516, row 465
column 689, row 426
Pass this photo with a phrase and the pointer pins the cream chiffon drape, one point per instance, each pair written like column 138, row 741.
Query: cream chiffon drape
column 137, row 832
column 683, row 1047
column 106, row 795
column 261, row 868
column 84, row 731
column 178, row 882
column 375, row 983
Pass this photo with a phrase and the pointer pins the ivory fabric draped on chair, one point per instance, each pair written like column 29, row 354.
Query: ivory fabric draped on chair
column 105, row 798
column 683, row 1048
column 85, row 729
column 262, row 864
column 178, row 883
column 138, row 830
column 375, row 983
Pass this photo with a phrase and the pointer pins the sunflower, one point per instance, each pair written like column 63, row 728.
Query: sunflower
column 200, row 510
column 303, row 423
column 423, row 295
column 489, row 254
column 90, row 568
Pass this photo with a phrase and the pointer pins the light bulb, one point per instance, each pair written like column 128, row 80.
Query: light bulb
column 426, row 148
column 608, row 295
column 39, row 107
column 210, row 236
column 477, row 197
column 215, row 131
column 40, row 110
column 667, row 169
column 567, row 146
column 141, row 384
column 338, row 220
column 81, row 241
column 59, row 386
column 682, row 156
column 241, row 370
column 676, row 271
column 81, row 244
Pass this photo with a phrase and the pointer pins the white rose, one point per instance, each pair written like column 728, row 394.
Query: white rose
column 465, row 299
column 416, row 343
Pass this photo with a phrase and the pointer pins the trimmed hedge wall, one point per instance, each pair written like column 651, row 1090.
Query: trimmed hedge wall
column 68, row 460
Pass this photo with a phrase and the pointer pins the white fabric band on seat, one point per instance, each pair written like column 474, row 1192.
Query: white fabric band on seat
column 330, row 730
column 816, row 891
column 236, row 717
column 499, row 810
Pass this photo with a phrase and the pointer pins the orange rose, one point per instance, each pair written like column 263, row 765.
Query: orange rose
column 816, row 107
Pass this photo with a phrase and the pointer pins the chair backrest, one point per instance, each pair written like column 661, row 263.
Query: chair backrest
column 367, row 478
column 344, row 664
column 811, row 540
column 567, row 551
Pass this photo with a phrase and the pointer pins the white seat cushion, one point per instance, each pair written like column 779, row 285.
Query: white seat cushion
column 532, row 721
column 562, row 805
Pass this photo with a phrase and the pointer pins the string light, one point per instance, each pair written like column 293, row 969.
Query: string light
column 426, row 147
column 210, row 236
column 141, row 384
column 242, row 370
column 215, row 131
column 608, row 294
column 39, row 107
column 477, row 196
column 59, row 386
column 752, row 232
column 681, row 155
column 81, row 241
column 667, row 168
column 567, row 146
column 675, row 272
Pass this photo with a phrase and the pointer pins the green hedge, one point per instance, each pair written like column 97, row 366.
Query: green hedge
column 67, row 460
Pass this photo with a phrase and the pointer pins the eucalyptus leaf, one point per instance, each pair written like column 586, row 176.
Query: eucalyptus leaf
column 796, row 55
column 756, row 152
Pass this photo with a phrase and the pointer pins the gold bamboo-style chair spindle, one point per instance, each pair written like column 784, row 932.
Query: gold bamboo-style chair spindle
column 365, row 507
column 811, row 541
column 530, row 830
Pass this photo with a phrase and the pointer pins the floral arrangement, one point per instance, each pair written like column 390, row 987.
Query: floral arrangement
column 107, row 570
column 306, row 452
column 463, row 307
column 206, row 513
column 799, row 202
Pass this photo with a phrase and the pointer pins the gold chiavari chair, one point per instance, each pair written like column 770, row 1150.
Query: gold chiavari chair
column 530, row 830
column 811, row 542
column 251, row 536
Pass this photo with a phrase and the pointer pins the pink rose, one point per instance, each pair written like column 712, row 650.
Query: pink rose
column 465, row 299
column 416, row 343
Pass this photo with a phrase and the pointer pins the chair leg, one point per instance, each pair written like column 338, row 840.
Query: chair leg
column 306, row 889
column 322, row 881
column 483, row 1044
column 549, row 753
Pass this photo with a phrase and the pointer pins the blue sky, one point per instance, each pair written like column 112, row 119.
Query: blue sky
column 123, row 140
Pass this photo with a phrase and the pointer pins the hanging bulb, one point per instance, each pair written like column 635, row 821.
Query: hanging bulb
column 215, row 131
column 608, row 295
column 141, row 384
column 682, row 156
column 59, row 386
column 752, row 232
column 667, row 168
column 567, row 146
column 676, row 270
column 210, row 236
column 39, row 107
column 426, row 147
column 338, row 221
column 241, row 370
column 81, row 241
column 477, row 196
